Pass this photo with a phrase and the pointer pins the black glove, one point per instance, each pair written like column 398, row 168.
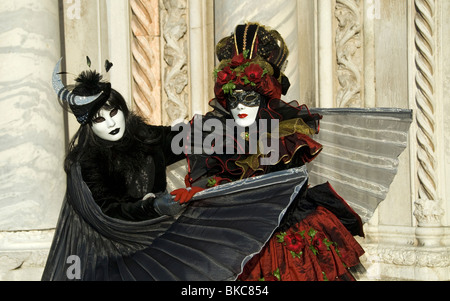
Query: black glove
column 165, row 205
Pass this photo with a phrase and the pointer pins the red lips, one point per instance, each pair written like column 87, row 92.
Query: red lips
column 242, row 116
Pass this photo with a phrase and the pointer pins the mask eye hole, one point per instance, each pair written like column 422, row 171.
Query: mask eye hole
column 98, row 119
column 250, row 98
column 232, row 101
column 114, row 112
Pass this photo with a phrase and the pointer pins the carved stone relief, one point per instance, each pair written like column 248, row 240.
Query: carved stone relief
column 348, row 53
column 160, row 90
column 408, row 256
column 174, row 26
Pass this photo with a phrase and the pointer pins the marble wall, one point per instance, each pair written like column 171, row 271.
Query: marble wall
column 32, row 182
column 343, row 53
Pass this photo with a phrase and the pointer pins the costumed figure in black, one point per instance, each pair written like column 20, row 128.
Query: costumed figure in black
column 117, row 217
column 316, row 238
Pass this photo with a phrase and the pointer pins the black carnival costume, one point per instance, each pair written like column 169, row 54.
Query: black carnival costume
column 118, row 233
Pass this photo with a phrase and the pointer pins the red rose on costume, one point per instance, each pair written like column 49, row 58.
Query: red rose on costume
column 294, row 242
column 238, row 60
column 254, row 73
column 225, row 75
column 318, row 242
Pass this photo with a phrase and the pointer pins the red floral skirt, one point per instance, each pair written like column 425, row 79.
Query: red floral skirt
column 317, row 248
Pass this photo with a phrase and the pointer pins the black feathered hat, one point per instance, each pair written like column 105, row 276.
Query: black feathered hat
column 87, row 97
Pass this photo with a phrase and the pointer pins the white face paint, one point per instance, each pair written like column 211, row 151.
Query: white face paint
column 244, row 115
column 109, row 124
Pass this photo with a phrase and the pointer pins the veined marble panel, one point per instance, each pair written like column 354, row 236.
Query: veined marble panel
column 32, row 181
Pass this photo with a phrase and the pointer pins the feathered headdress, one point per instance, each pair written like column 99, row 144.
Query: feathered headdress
column 88, row 96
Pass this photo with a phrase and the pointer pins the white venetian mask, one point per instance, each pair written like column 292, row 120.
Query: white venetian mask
column 244, row 107
column 109, row 124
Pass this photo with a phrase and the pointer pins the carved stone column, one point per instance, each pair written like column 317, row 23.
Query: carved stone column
column 415, row 246
column 146, row 65
column 172, row 71
column 428, row 211
column 32, row 136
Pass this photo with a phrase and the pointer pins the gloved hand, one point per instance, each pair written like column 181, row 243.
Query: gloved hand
column 165, row 205
column 184, row 195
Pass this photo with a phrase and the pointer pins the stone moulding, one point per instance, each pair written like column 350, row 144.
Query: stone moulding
column 408, row 256
column 24, row 253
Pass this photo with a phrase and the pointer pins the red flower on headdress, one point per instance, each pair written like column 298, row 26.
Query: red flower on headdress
column 238, row 60
column 239, row 82
column 254, row 73
column 246, row 74
column 225, row 75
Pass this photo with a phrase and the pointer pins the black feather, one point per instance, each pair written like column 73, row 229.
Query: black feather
column 108, row 65
column 88, row 83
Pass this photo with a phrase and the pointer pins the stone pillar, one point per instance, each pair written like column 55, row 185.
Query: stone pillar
column 326, row 57
column 146, row 67
column 85, row 34
column 32, row 137
column 429, row 102
column 118, row 15
column 201, row 54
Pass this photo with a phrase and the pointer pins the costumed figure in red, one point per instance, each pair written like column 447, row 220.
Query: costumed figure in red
column 315, row 240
